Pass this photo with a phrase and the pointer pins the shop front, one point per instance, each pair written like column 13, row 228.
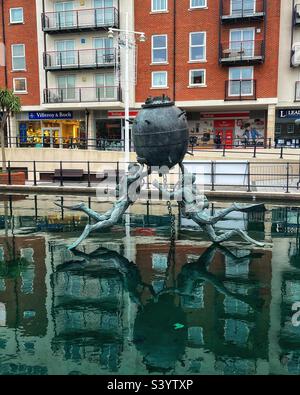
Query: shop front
column 231, row 128
column 110, row 129
column 287, row 127
column 46, row 129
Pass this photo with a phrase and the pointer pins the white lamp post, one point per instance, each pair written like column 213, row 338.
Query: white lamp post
column 127, row 44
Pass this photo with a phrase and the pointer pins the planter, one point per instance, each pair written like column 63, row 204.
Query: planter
column 17, row 178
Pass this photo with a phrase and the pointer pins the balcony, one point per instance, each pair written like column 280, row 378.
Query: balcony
column 80, row 59
column 235, row 53
column 296, row 15
column 240, row 90
column 82, row 95
column 80, row 20
column 236, row 11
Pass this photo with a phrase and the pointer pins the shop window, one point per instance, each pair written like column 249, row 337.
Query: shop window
column 197, row 77
column 20, row 85
column 159, row 49
column 159, row 5
column 277, row 129
column 291, row 128
column 16, row 15
column 198, row 3
column 198, row 46
column 159, row 79
column 18, row 57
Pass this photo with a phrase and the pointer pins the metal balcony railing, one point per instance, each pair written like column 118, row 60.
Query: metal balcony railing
column 242, row 52
column 86, row 19
column 82, row 95
column 239, row 10
column 240, row 89
column 80, row 59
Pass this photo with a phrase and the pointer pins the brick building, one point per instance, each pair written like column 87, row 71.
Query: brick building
column 217, row 59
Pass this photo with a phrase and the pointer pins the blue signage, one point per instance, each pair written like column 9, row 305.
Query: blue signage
column 50, row 115
column 23, row 132
column 290, row 113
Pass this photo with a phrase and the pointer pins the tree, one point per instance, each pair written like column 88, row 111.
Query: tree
column 9, row 105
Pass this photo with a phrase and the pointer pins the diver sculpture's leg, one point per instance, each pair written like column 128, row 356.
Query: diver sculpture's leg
column 235, row 207
column 227, row 235
column 107, row 223
column 91, row 213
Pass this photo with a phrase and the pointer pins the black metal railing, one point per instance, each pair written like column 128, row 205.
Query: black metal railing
column 247, row 52
column 240, row 90
column 80, row 59
column 269, row 176
column 84, row 19
column 82, row 95
column 231, row 10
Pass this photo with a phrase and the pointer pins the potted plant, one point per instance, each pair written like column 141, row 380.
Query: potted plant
column 9, row 105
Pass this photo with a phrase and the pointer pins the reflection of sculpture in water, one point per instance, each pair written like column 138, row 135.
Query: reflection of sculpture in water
column 154, row 335
column 112, row 216
column 193, row 205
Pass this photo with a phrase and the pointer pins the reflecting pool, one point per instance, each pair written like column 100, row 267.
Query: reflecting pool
column 131, row 301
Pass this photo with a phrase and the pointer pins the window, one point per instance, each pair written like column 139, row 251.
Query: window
column 242, row 41
column 105, row 86
column 18, row 57
column 104, row 12
column 16, row 15
column 20, row 85
column 197, row 78
column 66, row 54
column 241, row 81
column 290, row 128
column 159, row 79
column 198, row 46
column 197, row 3
column 159, row 5
column 66, row 87
column 242, row 7
column 159, row 49
column 64, row 14
column 105, row 50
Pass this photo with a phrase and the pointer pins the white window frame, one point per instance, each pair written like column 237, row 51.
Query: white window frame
column 254, row 8
column 14, row 85
column 242, row 41
column 12, row 57
column 190, row 77
column 162, row 10
column 198, row 6
column 194, row 46
column 252, row 79
column 10, row 15
column 159, row 86
column 152, row 49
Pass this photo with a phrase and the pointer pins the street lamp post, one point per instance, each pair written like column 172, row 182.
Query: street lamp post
column 127, row 45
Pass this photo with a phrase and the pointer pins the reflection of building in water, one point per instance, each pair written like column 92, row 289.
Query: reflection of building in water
column 91, row 311
column 217, row 319
column 22, row 283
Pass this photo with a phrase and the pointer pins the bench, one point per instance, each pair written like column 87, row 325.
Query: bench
column 68, row 174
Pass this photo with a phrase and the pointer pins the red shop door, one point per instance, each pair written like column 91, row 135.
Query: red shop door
column 225, row 127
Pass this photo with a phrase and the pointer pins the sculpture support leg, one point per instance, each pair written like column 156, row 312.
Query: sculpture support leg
column 227, row 235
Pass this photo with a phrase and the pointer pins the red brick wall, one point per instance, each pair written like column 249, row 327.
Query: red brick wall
column 23, row 34
column 194, row 21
